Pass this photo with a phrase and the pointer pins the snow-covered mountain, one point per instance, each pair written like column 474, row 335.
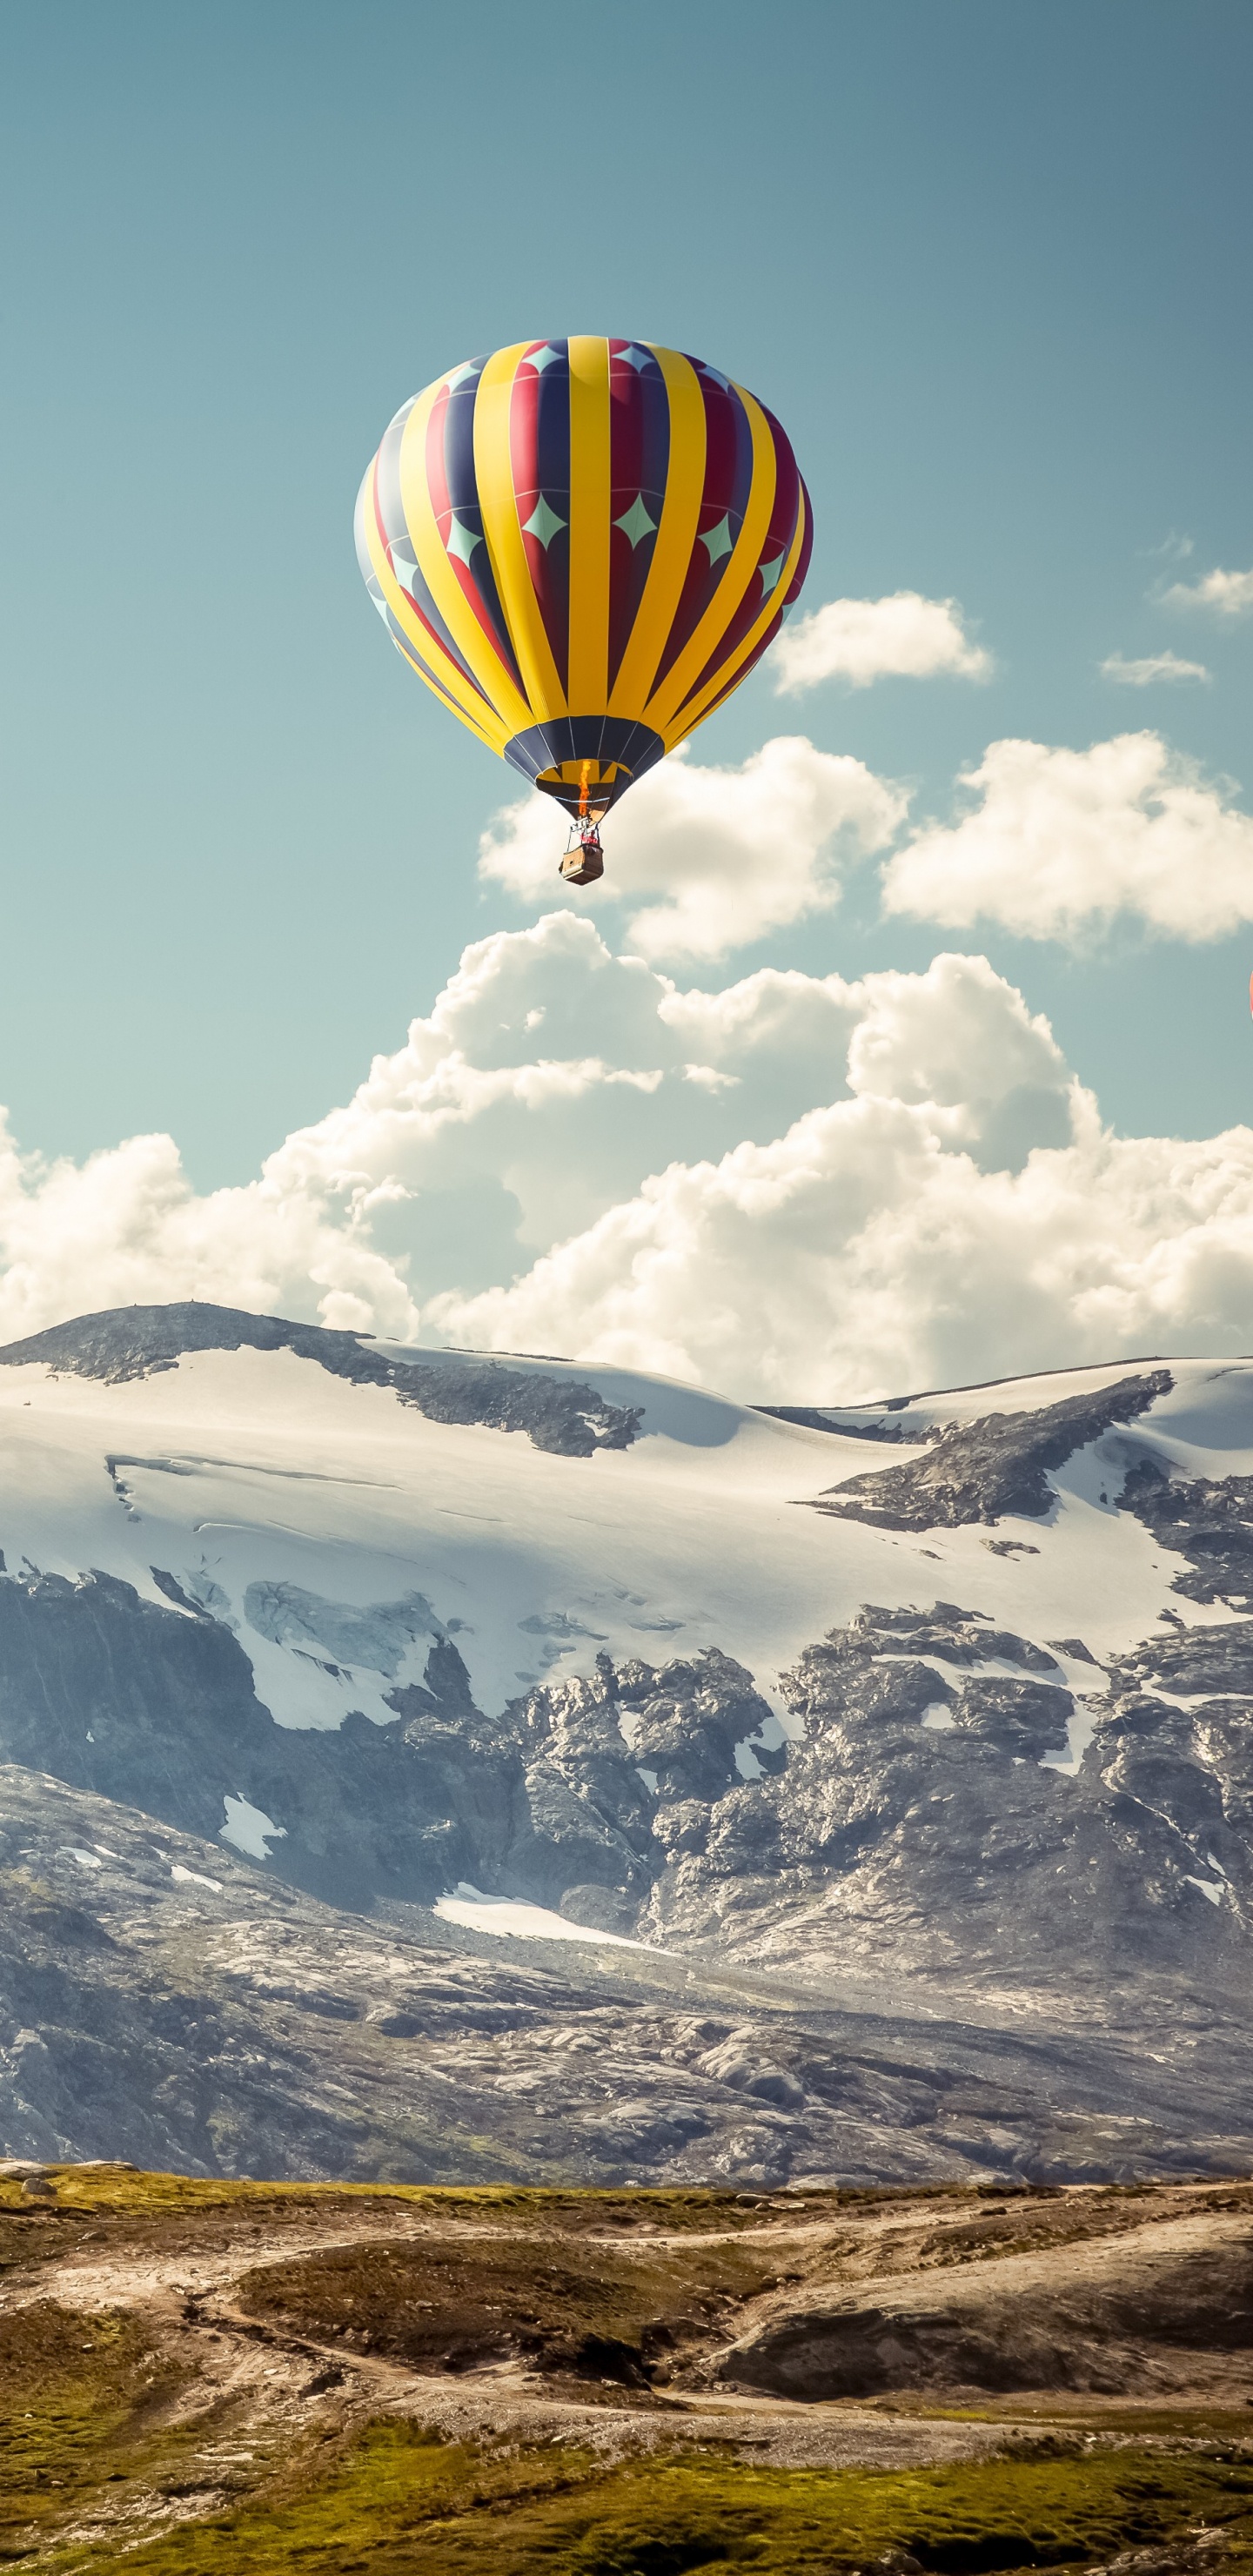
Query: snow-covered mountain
column 949, row 1698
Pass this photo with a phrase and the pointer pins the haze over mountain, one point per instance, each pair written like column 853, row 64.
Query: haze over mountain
column 419, row 1763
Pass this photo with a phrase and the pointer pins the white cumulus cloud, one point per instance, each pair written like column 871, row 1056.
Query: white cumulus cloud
column 866, row 1251
column 797, row 1188
column 1150, row 669
column 859, row 640
column 711, row 859
column 1229, row 594
column 1057, row 843
column 548, row 1080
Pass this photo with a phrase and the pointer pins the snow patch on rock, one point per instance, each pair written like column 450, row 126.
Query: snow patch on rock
column 250, row 1829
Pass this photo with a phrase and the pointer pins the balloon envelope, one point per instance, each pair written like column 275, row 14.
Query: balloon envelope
column 583, row 546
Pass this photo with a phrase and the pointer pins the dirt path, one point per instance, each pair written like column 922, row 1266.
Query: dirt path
column 235, row 2361
column 248, row 2384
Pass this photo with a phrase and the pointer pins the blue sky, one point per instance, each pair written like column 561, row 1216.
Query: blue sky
column 988, row 262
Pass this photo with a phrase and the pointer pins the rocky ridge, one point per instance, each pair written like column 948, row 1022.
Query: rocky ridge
column 126, row 1343
column 995, row 1466
column 943, row 1802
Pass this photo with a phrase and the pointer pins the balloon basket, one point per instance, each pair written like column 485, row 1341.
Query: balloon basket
column 584, row 861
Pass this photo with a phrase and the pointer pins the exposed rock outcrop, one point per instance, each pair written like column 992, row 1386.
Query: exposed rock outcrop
column 561, row 1414
column 1208, row 1521
column 981, row 1470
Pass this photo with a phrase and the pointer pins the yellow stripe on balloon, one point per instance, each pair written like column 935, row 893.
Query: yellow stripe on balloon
column 587, row 675
column 724, row 606
column 445, row 678
column 409, row 653
column 700, row 706
column 493, row 471
column 492, row 740
column 475, row 647
column 676, row 536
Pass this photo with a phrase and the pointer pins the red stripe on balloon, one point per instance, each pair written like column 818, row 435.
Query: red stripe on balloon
column 776, row 546
column 539, row 462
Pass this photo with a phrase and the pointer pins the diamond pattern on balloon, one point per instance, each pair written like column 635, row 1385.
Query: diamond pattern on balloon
column 544, row 523
column 635, row 522
column 719, row 540
column 461, row 541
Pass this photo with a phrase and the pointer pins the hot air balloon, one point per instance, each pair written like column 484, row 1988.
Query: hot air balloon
column 582, row 546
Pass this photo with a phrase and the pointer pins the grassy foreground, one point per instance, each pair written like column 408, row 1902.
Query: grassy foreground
column 397, row 2502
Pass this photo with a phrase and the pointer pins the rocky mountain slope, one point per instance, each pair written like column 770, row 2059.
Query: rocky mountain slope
column 932, row 1718
column 165, row 2001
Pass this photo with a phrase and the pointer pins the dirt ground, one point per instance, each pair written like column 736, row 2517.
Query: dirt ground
column 168, row 2349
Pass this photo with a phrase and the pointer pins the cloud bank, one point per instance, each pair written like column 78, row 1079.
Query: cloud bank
column 1057, row 843
column 1046, row 842
column 862, row 640
column 793, row 1187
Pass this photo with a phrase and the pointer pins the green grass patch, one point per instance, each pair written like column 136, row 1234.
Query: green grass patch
column 106, row 2190
column 400, row 2503
column 1160, row 2421
column 82, row 2405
